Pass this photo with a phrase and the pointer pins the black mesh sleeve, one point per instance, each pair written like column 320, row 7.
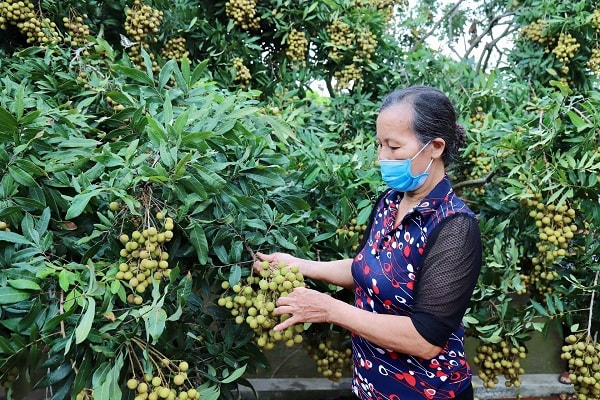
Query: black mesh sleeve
column 447, row 277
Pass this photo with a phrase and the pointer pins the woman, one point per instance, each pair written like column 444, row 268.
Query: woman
column 416, row 268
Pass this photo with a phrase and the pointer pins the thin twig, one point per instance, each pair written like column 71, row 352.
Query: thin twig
column 435, row 26
column 589, row 328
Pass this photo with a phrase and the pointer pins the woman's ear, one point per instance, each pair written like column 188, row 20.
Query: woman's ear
column 438, row 145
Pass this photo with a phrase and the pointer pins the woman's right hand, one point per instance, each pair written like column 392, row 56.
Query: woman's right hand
column 273, row 259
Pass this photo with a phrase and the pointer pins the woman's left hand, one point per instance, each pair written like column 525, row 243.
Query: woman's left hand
column 303, row 305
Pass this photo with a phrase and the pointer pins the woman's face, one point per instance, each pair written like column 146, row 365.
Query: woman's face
column 396, row 140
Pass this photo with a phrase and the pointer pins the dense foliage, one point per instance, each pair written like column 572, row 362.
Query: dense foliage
column 149, row 149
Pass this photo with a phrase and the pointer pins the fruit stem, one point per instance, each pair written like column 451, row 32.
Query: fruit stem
column 589, row 328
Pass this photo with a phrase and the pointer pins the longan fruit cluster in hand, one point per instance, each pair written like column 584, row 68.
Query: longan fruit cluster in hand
column 332, row 357
column 253, row 303
column 174, row 386
column 583, row 356
column 500, row 359
column 144, row 257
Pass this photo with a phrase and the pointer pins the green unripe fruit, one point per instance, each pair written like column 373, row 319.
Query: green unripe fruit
column 183, row 366
column 114, row 206
column 132, row 384
column 142, row 387
column 164, row 392
column 178, row 379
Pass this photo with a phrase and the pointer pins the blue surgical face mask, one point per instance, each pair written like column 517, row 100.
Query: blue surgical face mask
column 397, row 173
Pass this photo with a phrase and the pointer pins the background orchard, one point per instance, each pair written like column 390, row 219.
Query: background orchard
column 148, row 149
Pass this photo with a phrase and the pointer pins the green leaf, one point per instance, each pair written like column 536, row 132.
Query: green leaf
column 85, row 323
column 63, row 280
column 235, row 375
column 80, row 202
column 8, row 124
column 156, row 132
column 265, row 177
column 135, row 74
column 9, row 295
column 538, row 307
column 83, row 377
column 165, row 73
column 155, row 319
column 235, row 275
column 198, row 240
column 19, row 102
column 55, row 375
column 22, row 177
column 24, row 284
column 579, row 122
column 12, row 237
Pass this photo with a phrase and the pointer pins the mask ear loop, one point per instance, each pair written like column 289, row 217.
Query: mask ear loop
column 428, row 166
column 419, row 152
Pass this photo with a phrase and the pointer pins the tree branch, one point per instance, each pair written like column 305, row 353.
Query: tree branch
column 435, row 26
column 474, row 182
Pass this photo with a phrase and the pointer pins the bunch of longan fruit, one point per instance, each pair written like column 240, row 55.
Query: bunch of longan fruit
column 23, row 14
column 253, row 301
column 583, row 356
column 144, row 258
column 174, row 386
column 4, row 226
column 500, row 359
column 350, row 230
column 333, row 356
column 242, row 73
column 243, row 13
column 297, row 46
column 142, row 24
column 8, row 376
column 556, row 229
column 566, row 48
column 77, row 30
column 175, row 48
column 85, row 394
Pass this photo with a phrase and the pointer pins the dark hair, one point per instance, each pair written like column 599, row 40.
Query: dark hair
column 433, row 117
